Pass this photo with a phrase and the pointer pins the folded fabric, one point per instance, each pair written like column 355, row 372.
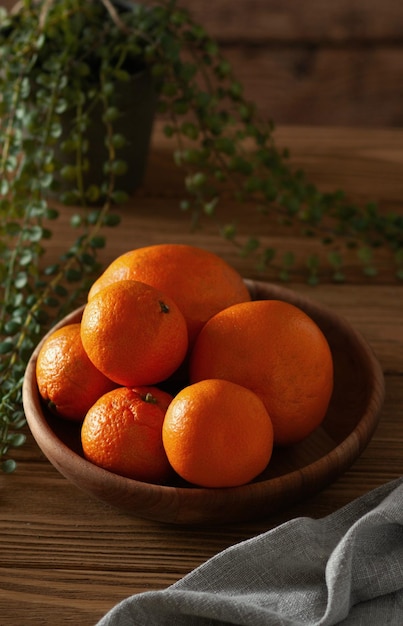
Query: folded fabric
column 346, row 568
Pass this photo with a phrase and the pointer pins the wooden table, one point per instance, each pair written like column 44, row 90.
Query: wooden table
column 66, row 558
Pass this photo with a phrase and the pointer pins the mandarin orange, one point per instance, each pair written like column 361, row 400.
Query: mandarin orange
column 133, row 333
column 66, row 377
column 276, row 350
column 200, row 282
column 122, row 432
column 217, row 434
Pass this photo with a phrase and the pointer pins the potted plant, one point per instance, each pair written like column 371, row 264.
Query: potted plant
column 67, row 62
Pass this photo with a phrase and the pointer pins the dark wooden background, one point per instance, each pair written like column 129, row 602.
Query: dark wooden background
column 335, row 63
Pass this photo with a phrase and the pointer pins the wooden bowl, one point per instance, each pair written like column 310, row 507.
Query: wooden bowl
column 291, row 475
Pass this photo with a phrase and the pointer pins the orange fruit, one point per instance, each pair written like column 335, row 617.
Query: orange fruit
column 133, row 333
column 122, row 432
column 200, row 282
column 277, row 351
column 66, row 377
column 217, row 434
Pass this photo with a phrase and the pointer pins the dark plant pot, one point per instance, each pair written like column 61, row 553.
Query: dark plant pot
column 136, row 100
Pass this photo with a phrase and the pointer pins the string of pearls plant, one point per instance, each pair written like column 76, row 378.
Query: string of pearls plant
column 66, row 57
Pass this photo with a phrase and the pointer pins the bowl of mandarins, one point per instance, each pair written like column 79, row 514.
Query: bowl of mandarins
column 182, row 393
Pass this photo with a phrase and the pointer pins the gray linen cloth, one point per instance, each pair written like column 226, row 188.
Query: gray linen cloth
column 346, row 568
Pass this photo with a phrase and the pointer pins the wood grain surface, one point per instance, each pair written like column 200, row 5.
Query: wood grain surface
column 312, row 62
column 66, row 558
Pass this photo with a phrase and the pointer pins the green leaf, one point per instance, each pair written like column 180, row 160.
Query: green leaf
column 235, row 89
column 225, row 145
column 229, row 231
column 97, row 242
column 250, row 246
column 69, row 172
column 16, row 440
column 190, row 130
column 87, row 259
column 61, row 291
column 122, row 75
column 52, row 302
column 51, row 213
column 208, row 207
column 6, row 346
column 69, row 145
column 223, row 69
column 21, row 280
column 76, row 220
column 26, row 257
column 113, row 219
column 8, row 466
column 335, row 258
column 12, row 228
column 365, row 254
column 93, row 193
column 119, row 168
column 195, row 181
column 118, row 197
column 169, row 130
column 70, row 198
column 288, row 259
column 56, row 130
column 12, row 327
column 61, row 105
column 119, row 141
column 111, row 114
column 268, row 255
column 93, row 217
column 73, row 275
column 4, row 187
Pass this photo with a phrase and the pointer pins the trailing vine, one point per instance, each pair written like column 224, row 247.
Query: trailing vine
column 61, row 60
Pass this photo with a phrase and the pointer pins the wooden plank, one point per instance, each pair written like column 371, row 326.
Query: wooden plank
column 317, row 62
column 355, row 154
column 57, row 558
column 322, row 86
column 313, row 63
column 68, row 558
column 287, row 21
